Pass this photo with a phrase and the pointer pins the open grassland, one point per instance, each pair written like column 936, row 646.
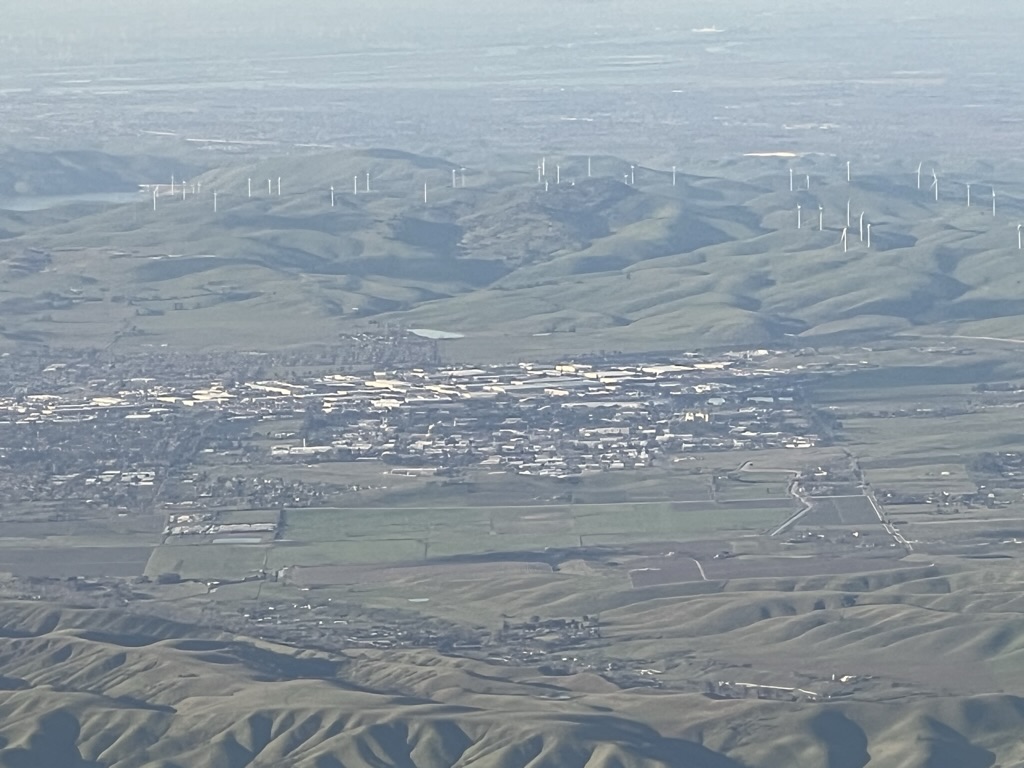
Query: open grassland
column 127, row 690
column 371, row 536
column 378, row 535
column 596, row 265
column 207, row 561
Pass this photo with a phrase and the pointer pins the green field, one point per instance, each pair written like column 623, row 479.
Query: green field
column 207, row 561
column 361, row 536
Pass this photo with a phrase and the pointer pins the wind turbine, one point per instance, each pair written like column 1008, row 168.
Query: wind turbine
column 798, row 216
column 270, row 187
column 847, row 171
column 843, row 239
column 453, row 178
column 862, row 226
column 869, row 235
column 993, row 201
column 215, row 201
column 807, row 177
column 367, row 181
column 821, row 219
column 790, row 179
column 588, row 166
column 847, row 214
column 1019, row 243
column 355, row 184
column 250, row 186
column 154, row 196
column 543, row 166
column 968, row 195
column 632, row 175
column 935, row 185
column 424, row 193
column 332, row 196
column 278, row 186
column 674, row 177
column 558, row 174
column 462, row 174
column 540, row 173
column 919, row 174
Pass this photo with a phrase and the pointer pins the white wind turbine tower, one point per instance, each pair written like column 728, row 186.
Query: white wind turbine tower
column 632, row 175
column 869, row 235
column 462, row 175
column 1019, row 243
column 154, row 196
column 558, row 174
column 674, row 176
column 540, row 173
column 993, row 201
column 332, row 196
column 807, row 178
column 847, row 171
column 799, row 223
column 355, row 184
column 935, row 185
column 843, row 239
column 968, row 195
column 847, row 214
column 424, row 193
column 367, row 181
column 453, row 178
column 862, row 226
column 588, row 166
column 270, row 187
column 250, row 186
column 919, row 174
column 215, row 201
column 790, row 179
column 821, row 219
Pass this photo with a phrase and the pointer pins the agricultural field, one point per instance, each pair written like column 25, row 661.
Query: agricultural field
column 372, row 536
column 828, row 511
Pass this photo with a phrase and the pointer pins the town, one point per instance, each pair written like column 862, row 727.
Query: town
column 143, row 435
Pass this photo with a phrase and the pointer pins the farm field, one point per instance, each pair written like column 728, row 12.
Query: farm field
column 839, row 510
column 368, row 536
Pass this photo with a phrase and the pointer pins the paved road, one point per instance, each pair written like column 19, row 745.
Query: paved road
column 700, row 568
column 891, row 529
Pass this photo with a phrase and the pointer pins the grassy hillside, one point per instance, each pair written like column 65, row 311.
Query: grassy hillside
column 90, row 687
column 596, row 262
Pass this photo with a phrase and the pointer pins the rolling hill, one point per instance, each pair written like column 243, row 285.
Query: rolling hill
column 597, row 262
column 109, row 689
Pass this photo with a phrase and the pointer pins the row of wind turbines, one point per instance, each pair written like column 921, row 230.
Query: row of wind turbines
column 935, row 187
column 361, row 184
column 865, row 230
column 158, row 190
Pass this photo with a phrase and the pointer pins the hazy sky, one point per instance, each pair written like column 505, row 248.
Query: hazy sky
column 44, row 31
column 777, row 62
